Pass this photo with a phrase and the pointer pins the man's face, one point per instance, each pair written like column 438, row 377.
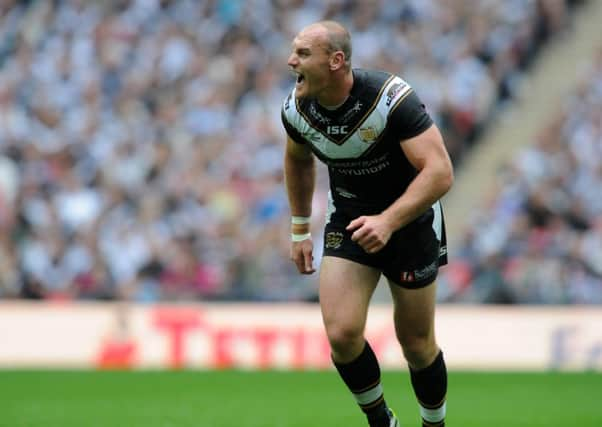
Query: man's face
column 310, row 62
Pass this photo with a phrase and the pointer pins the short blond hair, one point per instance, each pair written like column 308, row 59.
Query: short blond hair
column 338, row 39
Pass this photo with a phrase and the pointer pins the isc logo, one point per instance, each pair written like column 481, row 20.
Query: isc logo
column 337, row 130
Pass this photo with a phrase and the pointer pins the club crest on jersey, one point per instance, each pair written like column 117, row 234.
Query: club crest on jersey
column 368, row 134
column 334, row 240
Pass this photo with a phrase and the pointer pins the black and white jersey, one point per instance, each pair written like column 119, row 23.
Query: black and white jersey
column 360, row 140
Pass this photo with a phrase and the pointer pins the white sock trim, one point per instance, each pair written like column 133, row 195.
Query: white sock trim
column 369, row 396
column 433, row 415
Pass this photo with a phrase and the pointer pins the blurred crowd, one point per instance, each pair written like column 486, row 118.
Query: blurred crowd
column 538, row 239
column 141, row 143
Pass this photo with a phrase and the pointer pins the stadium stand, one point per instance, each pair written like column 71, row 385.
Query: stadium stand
column 538, row 238
column 140, row 141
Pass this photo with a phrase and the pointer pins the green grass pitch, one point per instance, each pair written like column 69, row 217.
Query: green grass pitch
column 285, row 399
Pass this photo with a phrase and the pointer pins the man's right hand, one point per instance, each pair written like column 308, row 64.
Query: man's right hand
column 302, row 256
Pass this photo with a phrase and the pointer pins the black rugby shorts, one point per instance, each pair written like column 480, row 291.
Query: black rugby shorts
column 411, row 258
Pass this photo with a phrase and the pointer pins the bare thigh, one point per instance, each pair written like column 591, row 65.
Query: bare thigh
column 414, row 317
column 346, row 288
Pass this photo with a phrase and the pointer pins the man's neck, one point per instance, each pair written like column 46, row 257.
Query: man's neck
column 338, row 93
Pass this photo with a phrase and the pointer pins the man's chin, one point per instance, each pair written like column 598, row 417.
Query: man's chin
column 300, row 93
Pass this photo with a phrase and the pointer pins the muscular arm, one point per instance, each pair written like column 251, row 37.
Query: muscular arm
column 300, row 177
column 427, row 153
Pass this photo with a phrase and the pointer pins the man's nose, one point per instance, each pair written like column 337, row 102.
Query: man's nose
column 292, row 60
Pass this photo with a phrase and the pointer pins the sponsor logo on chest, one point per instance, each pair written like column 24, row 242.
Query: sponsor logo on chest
column 337, row 130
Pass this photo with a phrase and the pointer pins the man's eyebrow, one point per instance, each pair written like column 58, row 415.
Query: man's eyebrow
column 297, row 48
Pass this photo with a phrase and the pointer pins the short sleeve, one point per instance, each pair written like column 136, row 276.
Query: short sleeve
column 408, row 117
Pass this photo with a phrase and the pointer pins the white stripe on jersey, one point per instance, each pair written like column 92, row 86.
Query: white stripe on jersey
column 330, row 208
column 354, row 146
column 437, row 221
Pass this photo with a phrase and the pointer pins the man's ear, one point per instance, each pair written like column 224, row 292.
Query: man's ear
column 337, row 60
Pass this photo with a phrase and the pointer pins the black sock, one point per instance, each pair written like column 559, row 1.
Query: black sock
column 362, row 377
column 430, row 387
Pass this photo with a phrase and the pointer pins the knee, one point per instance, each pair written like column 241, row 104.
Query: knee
column 418, row 349
column 344, row 339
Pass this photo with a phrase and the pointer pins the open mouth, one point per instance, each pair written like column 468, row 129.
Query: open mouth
column 300, row 78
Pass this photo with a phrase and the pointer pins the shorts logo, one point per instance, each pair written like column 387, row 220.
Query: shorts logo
column 423, row 273
column 368, row 134
column 334, row 240
column 407, row 276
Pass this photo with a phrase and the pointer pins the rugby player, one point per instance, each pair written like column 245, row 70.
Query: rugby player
column 388, row 168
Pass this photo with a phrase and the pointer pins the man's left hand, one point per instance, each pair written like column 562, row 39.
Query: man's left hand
column 371, row 232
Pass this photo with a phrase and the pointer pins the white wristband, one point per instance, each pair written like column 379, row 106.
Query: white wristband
column 300, row 220
column 300, row 237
